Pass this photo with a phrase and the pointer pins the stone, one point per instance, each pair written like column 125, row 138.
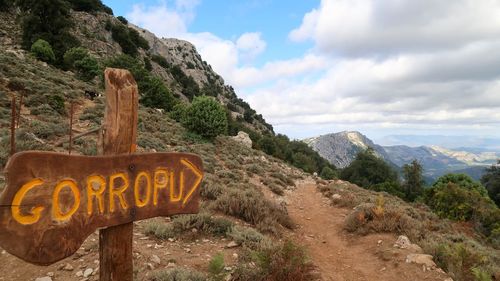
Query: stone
column 403, row 242
column 68, row 267
column 336, row 196
column 422, row 259
column 50, row 274
column 87, row 272
column 46, row 278
column 79, row 273
column 448, row 279
column 150, row 266
column 232, row 244
column 155, row 259
column 414, row 248
column 235, row 256
column 170, row 264
column 243, row 138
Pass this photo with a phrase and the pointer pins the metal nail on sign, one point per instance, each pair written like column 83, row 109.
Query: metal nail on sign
column 53, row 201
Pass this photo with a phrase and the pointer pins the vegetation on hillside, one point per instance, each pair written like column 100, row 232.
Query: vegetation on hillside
column 491, row 180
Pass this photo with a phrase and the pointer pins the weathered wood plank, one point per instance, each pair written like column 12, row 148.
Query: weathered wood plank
column 119, row 136
column 53, row 201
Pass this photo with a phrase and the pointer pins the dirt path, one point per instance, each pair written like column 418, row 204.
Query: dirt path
column 341, row 256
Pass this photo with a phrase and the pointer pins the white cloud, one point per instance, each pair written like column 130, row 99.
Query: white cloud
column 369, row 27
column 251, row 45
column 162, row 20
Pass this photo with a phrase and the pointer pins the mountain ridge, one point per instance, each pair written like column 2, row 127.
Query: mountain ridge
column 341, row 148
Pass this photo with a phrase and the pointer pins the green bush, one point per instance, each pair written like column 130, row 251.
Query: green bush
column 90, row 6
column 327, row 173
column 122, row 20
column 154, row 94
column 49, row 20
column 74, row 54
column 178, row 112
column 120, row 34
column 206, row 117
column 57, row 103
column 87, row 68
column 491, row 180
column 42, row 50
column 367, row 170
column 458, row 197
column 160, row 61
column 216, row 265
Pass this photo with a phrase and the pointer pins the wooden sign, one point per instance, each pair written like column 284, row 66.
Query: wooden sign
column 53, row 201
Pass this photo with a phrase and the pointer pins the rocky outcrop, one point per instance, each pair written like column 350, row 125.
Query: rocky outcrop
column 243, row 138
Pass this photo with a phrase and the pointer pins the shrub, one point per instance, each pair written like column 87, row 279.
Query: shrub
column 206, row 117
column 42, row 50
column 327, row 173
column 87, row 68
column 57, row 103
column 178, row 112
column 120, row 34
column 458, row 197
column 203, row 222
column 90, row 6
column 122, row 20
column 251, row 207
column 51, row 21
column 160, row 61
column 491, row 180
column 178, row 274
column 367, row 170
column 154, row 94
column 246, row 236
column 74, row 54
column 283, row 262
column 216, row 265
column 376, row 218
column 147, row 64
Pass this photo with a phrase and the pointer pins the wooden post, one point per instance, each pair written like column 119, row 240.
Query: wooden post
column 119, row 137
column 13, row 126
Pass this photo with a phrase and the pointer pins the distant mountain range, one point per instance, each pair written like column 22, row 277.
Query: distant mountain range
column 341, row 148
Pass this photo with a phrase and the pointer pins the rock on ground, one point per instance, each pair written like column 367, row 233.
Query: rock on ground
column 243, row 138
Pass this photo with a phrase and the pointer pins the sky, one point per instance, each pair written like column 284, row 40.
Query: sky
column 427, row 67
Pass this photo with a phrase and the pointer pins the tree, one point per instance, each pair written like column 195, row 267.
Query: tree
column 206, row 117
column 48, row 20
column 328, row 173
column 43, row 51
column 491, row 180
column 74, row 54
column 462, row 181
column 154, row 94
column 367, row 170
column 413, row 180
column 87, row 68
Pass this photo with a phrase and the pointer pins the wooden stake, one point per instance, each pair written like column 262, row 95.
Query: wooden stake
column 119, row 137
column 70, row 146
column 13, row 126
